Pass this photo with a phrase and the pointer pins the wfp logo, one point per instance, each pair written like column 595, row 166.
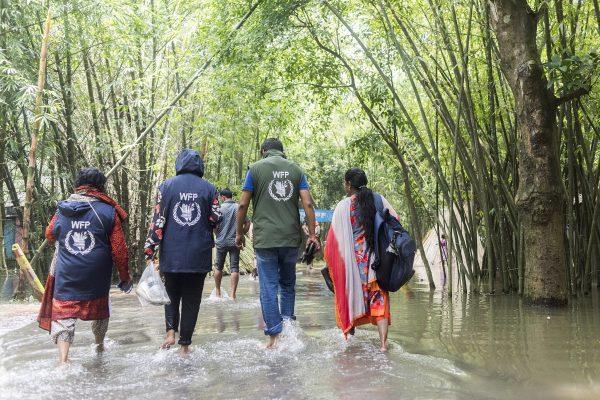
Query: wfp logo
column 187, row 211
column 80, row 242
column 281, row 188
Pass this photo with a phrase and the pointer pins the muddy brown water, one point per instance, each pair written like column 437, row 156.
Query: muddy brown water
column 470, row 347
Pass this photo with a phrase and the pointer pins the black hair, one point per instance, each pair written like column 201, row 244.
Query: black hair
column 91, row 176
column 272, row 144
column 357, row 179
column 226, row 193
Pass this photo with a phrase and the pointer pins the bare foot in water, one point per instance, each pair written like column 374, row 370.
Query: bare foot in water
column 272, row 342
column 383, row 347
column 184, row 351
column 99, row 340
column 169, row 340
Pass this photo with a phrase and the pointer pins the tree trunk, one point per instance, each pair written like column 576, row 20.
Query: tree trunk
column 540, row 196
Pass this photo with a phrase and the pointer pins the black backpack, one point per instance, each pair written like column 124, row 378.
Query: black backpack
column 394, row 250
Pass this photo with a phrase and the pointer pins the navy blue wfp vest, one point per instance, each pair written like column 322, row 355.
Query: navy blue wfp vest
column 84, row 261
column 186, row 201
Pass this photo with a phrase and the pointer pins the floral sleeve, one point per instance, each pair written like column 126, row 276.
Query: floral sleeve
column 155, row 233
column 50, row 229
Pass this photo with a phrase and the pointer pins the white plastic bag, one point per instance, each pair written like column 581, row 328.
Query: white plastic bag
column 150, row 289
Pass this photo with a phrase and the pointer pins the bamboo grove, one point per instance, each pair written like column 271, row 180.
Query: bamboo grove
column 416, row 92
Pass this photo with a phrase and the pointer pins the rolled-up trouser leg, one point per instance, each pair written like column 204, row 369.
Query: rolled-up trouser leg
column 172, row 285
column 99, row 328
column 220, row 260
column 191, row 294
column 234, row 259
column 63, row 329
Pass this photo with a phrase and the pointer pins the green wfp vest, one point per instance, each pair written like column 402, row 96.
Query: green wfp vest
column 276, row 220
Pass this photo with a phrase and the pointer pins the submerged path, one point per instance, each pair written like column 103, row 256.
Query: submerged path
column 472, row 348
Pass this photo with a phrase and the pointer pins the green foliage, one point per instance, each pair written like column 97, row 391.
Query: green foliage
column 429, row 90
column 571, row 71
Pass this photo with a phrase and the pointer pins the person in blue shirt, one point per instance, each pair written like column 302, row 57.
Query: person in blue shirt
column 276, row 185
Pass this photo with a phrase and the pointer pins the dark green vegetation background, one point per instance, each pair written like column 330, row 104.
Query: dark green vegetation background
column 419, row 93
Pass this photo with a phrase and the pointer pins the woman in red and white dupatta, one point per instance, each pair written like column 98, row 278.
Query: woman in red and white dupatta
column 348, row 253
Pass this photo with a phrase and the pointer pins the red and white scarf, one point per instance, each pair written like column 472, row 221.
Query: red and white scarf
column 343, row 268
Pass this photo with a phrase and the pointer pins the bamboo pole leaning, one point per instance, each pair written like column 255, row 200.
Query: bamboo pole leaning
column 161, row 115
column 183, row 91
column 25, row 267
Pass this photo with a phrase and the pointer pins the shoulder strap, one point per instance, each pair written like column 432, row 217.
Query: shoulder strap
column 97, row 216
column 378, row 223
column 378, row 203
column 107, row 234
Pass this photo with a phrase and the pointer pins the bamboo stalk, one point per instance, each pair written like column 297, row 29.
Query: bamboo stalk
column 2, row 178
column 160, row 116
column 521, row 259
column 183, row 91
column 34, row 135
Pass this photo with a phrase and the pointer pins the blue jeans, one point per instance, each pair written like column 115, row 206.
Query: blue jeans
column 277, row 276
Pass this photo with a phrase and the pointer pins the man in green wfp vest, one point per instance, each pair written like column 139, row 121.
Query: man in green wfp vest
column 275, row 185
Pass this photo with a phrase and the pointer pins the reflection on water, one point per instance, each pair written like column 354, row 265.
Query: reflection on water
column 472, row 347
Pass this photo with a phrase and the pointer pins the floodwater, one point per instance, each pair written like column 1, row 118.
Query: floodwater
column 473, row 347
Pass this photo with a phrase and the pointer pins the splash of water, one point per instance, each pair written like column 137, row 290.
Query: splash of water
column 292, row 339
column 213, row 298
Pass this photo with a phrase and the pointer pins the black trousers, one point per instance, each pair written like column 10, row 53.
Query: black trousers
column 184, row 288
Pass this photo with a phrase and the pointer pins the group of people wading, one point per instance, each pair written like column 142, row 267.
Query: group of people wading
column 87, row 230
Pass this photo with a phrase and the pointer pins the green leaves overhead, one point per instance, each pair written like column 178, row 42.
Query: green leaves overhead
column 571, row 71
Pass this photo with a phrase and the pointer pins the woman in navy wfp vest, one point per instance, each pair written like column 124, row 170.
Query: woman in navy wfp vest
column 89, row 240
column 186, row 212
